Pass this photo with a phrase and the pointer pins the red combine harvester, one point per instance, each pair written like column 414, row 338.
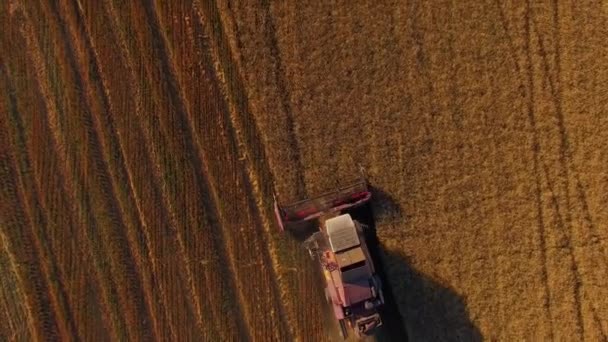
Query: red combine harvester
column 338, row 241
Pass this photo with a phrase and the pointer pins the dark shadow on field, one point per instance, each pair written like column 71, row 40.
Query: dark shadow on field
column 431, row 311
column 418, row 308
column 384, row 205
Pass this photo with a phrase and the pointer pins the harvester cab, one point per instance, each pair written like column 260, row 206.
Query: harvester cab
column 337, row 241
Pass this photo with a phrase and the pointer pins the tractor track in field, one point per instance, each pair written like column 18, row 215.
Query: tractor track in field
column 540, row 165
column 270, row 32
column 568, row 169
column 113, row 147
column 541, row 226
column 118, row 228
column 248, row 134
column 186, row 253
column 69, row 220
column 43, row 299
column 153, row 245
column 168, row 208
column 52, row 120
column 200, row 30
column 565, row 156
column 199, row 165
column 38, row 218
column 36, row 314
column 243, row 132
column 537, row 151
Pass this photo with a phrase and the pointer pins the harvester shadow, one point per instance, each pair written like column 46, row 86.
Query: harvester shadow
column 416, row 308
column 384, row 205
column 429, row 311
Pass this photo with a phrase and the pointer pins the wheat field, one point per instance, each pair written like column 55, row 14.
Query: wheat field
column 141, row 143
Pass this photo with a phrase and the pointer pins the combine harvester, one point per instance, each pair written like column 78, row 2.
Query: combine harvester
column 338, row 241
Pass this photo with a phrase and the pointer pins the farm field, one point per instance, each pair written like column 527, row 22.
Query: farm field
column 141, row 142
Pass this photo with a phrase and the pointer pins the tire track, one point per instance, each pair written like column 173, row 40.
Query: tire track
column 537, row 153
column 171, row 87
column 565, row 153
column 39, row 218
column 163, row 195
column 61, row 198
column 536, row 169
column 58, row 145
column 19, row 220
column 512, row 50
column 112, row 147
column 7, row 181
column 148, row 152
column 192, row 140
column 570, row 247
column 541, row 224
column 271, row 33
column 243, row 131
column 143, row 252
column 566, row 156
column 168, row 69
column 123, row 266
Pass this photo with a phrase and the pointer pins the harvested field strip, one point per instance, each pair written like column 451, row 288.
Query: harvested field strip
column 197, row 30
column 40, row 218
column 196, row 226
column 70, row 167
column 152, row 250
column 54, row 200
column 13, row 310
column 116, row 169
column 150, row 196
column 169, row 222
column 112, row 231
column 197, row 220
column 242, row 126
column 17, row 311
column 212, row 274
column 191, row 138
column 23, row 246
column 252, row 150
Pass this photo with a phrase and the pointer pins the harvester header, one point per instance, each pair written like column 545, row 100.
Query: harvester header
column 293, row 215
